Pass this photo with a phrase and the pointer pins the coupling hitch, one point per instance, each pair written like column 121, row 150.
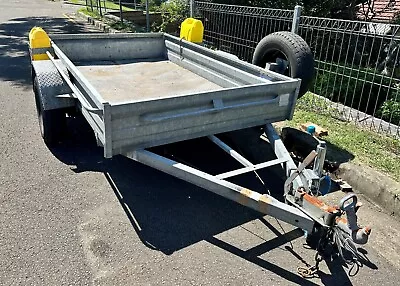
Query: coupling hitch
column 331, row 228
column 350, row 206
column 336, row 231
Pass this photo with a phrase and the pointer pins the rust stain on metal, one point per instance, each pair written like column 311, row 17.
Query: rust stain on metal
column 342, row 220
column 321, row 205
column 246, row 192
column 263, row 203
column 245, row 196
column 265, row 199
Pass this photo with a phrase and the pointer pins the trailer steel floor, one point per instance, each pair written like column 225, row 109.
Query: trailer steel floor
column 142, row 80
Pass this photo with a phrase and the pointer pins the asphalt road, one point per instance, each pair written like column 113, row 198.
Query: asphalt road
column 70, row 217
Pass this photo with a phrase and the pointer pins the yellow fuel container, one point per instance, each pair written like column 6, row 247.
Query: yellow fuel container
column 192, row 30
column 38, row 39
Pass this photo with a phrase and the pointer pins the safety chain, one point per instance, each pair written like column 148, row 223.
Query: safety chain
column 333, row 238
column 310, row 271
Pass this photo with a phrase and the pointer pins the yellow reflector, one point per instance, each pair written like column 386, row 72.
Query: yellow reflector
column 192, row 30
column 38, row 39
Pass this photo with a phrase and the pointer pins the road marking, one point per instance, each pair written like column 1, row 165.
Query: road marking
column 70, row 18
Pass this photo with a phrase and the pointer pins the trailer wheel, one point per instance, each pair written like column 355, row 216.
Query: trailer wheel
column 33, row 76
column 52, row 123
column 290, row 53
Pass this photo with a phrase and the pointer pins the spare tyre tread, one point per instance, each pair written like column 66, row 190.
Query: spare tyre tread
column 301, row 52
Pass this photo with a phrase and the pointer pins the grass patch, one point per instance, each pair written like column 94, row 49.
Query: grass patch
column 109, row 5
column 378, row 151
column 126, row 27
column 94, row 14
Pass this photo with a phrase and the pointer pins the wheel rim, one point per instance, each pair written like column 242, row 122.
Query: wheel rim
column 275, row 56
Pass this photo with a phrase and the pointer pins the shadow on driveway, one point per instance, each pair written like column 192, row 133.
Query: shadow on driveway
column 169, row 214
column 14, row 52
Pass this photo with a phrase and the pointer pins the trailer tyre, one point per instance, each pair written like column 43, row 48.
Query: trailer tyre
column 290, row 53
column 52, row 123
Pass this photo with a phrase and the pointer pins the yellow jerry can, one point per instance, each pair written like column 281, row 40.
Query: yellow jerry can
column 192, row 30
column 38, row 39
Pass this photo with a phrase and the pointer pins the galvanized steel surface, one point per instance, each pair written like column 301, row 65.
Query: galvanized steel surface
column 51, row 84
column 153, row 103
column 143, row 80
column 259, row 202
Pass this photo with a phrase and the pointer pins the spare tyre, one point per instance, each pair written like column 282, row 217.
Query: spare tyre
column 291, row 55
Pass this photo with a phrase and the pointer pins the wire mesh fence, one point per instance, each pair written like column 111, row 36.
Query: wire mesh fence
column 357, row 63
column 94, row 5
column 238, row 29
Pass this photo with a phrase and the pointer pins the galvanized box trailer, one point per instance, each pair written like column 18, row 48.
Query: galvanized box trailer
column 143, row 90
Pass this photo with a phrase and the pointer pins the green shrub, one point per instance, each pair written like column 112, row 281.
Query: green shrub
column 357, row 88
column 390, row 111
column 174, row 12
column 153, row 4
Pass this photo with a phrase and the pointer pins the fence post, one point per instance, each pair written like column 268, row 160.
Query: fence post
column 191, row 6
column 99, row 8
column 147, row 17
column 296, row 19
column 120, row 12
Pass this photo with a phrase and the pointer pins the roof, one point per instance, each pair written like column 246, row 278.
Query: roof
column 385, row 10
